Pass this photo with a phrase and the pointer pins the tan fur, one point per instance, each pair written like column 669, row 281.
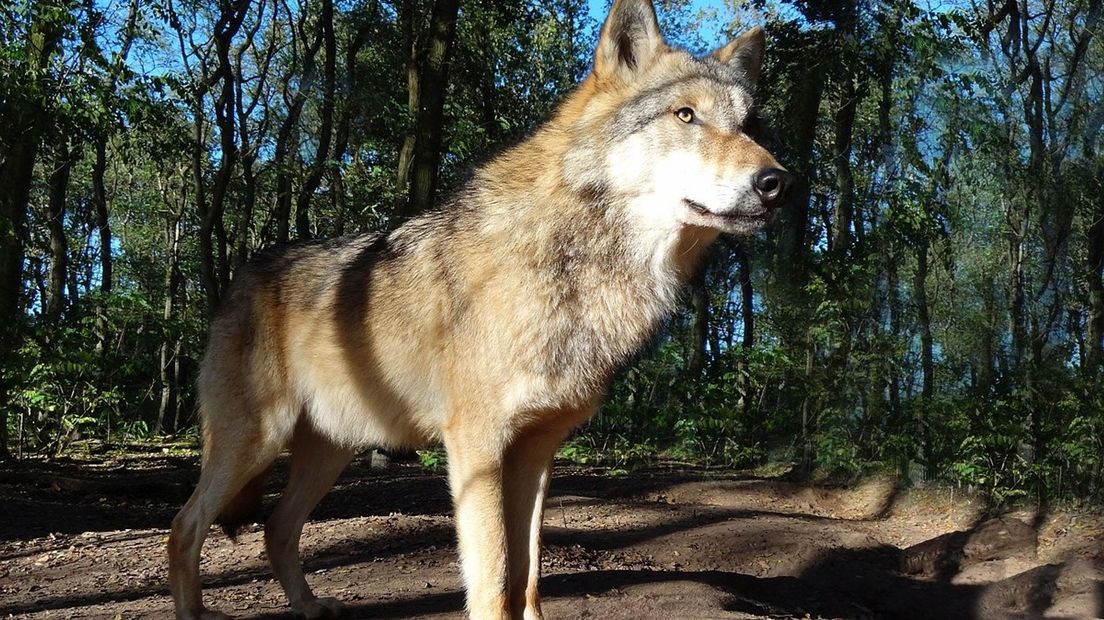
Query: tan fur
column 493, row 324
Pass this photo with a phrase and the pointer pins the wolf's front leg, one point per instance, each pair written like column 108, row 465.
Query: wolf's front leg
column 528, row 468
column 475, row 480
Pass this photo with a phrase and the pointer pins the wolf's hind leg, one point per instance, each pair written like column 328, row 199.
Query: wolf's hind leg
column 230, row 462
column 315, row 464
column 527, row 470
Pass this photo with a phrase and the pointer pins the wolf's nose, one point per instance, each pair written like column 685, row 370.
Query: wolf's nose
column 771, row 185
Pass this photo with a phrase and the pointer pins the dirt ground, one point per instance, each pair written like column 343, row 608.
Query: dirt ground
column 669, row 543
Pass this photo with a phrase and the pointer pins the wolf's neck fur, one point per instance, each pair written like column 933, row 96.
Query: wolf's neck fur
column 604, row 280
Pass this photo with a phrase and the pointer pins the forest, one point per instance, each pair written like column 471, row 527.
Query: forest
column 928, row 305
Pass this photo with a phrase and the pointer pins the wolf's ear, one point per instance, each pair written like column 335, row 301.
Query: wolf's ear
column 745, row 54
column 630, row 40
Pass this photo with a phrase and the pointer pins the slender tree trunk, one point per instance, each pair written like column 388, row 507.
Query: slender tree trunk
column 892, row 299
column 699, row 329
column 923, row 316
column 1095, row 343
column 1017, row 234
column 103, row 223
column 747, row 318
column 791, row 252
column 212, row 232
column 175, row 378
column 747, row 297
column 99, row 164
column 208, row 277
column 248, row 201
column 893, row 284
column 55, row 222
column 251, row 91
column 1095, row 276
column 287, row 138
column 808, row 450
column 329, row 82
column 845, row 185
column 281, row 160
column 245, row 216
column 987, row 351
column 432, row 86
column 222, row 255
column 487, row 86
column 350, row 107
column 408, row 17
column 169, row 346
column 927, row 360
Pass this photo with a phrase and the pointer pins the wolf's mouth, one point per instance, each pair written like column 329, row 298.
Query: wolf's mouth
column 736, row 216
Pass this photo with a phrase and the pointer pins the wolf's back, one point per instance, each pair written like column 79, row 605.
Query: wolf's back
column 272, row 296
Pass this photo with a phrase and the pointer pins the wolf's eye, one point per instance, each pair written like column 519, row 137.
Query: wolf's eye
column 685, row 115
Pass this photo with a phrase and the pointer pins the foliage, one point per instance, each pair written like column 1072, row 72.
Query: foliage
column 433, row 459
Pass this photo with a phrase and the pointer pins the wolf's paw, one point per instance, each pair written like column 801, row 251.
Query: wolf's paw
column 325, row 607
column 533, row 613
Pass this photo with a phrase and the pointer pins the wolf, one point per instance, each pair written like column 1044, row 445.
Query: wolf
column 493, row 324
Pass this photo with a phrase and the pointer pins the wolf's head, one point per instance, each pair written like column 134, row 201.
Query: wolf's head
column 665, row 133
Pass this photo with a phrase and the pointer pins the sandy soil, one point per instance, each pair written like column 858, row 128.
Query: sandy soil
column 89, row 542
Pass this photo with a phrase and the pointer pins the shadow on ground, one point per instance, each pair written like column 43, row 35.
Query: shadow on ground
column 600, row 568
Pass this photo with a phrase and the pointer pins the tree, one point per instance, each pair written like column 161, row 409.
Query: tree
column 427, row 83
column 28, row 47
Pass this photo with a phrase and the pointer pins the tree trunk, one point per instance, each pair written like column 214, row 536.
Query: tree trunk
column 249, row 148
column 845, row 185
column 432, row 87
column 350, row 107
column 1017, row 233
column 169, row 346
column 747, row 297
column 248, row 206
column 699, row 329
column 808, row 449
column 487, row 87
column 329, row 81
column 927, row 361
column 208, row 277
column 16, row 172
column 986, row 352
column 24, row 124
column 1095, row 273
column 408, row 16
column 747, row 322
column 893, row 299
column 55, row 222
column 103, row 223
column 99, row 164
column 176, row 380
column 287, row 138
column 285, row 141
column 791, row 251
column 212, row 232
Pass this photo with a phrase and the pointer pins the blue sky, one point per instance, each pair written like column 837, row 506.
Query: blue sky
column 718, row 14
column 598, row 8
